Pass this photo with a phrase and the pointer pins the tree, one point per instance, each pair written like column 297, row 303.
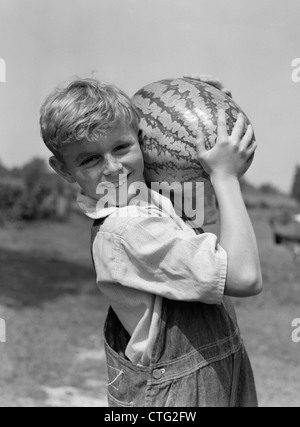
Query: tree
column 33, row 192
column 3, row 170
column 34, row 172
column 268, row 189
column 296, row 185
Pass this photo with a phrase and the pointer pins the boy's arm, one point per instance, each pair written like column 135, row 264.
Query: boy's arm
column 238, row 239
column 225, row 162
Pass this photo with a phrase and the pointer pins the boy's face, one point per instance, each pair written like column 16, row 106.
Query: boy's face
column 89, row 164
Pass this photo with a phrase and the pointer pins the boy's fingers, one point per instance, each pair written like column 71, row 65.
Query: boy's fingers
column 213, row 81
column 198, row 76
column 206, row 78
column 251, row 148
column 248, row 139
column 200, row 143
column 239, row 128
column 222, row 126
column 227, row 92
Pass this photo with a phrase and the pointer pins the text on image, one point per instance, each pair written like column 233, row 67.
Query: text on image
column 296, row 72
column 296, row 331
column 2, row 71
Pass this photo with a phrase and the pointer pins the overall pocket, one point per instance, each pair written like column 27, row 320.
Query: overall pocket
column 116, row 388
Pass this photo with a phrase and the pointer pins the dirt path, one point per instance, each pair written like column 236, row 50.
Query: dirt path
column 54, row 354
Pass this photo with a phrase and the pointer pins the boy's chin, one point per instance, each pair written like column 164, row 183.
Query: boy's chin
column 108, row 199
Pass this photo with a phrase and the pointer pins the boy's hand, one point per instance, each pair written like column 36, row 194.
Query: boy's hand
column 209, row 79
column 231, row 155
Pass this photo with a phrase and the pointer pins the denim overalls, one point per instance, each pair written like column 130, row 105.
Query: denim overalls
column 198, row 359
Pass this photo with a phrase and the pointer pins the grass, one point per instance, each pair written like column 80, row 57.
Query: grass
column 54, row 314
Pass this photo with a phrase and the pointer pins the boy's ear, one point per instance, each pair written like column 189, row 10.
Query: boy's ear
column 60, row 168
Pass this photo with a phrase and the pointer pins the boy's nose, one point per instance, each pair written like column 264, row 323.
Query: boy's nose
column 111, row 165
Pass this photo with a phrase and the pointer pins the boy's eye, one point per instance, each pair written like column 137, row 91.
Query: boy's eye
column 121, row 147
column 93, row 159
column 89, row 160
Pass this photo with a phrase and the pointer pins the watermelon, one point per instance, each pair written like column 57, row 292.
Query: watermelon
column 172, row 111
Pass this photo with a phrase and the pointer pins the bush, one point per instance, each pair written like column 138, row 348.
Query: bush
column 296, row 185
column 11, row 190
column 34, row 193
column 45, row 200
column 11, row 195
column 268, row 189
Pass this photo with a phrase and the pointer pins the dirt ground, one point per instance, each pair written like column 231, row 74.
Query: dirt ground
column 54, row 316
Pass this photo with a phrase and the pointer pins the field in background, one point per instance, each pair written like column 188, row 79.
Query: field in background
column 265, row 320
column 54, row 314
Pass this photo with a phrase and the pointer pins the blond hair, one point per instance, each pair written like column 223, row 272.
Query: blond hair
column 82, row 112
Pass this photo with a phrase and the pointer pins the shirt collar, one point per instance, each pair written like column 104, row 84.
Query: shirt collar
column 93, row 208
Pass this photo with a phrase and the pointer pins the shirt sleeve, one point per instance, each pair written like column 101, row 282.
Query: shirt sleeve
column 154, row 255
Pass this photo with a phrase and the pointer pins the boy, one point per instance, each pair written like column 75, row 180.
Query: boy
column 171, row 335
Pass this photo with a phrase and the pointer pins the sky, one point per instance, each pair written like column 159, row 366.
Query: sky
column 249, row 44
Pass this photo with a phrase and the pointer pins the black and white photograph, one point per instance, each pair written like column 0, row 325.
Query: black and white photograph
column 149, row 206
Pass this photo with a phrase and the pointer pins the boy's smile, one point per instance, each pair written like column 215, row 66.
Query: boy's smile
column 116, row 154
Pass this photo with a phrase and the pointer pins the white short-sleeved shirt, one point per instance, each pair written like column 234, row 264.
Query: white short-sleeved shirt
column 143, row 254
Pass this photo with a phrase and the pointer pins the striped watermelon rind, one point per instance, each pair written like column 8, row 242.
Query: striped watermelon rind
column 171, row 112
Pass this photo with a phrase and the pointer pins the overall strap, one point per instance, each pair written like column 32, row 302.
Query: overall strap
column 94, row 231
